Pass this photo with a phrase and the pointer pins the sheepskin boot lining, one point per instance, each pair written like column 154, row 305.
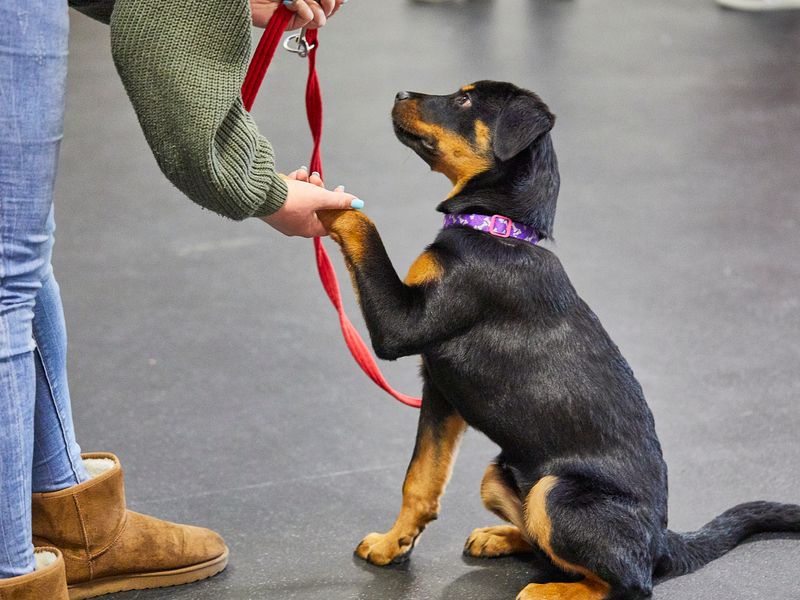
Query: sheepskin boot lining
column 97, row 466
column 44, row 559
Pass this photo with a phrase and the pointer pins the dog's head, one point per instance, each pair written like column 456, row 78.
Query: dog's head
column 492, row 141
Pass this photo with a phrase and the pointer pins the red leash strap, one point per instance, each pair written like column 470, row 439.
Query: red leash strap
column 259, row 64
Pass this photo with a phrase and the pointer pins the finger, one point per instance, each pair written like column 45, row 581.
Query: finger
column 328, row 6
column 261, row 11
column 303, row 14
column 302, row 174
column 316, row 179
column 339, row 200
column 319, row 19
column 297, row 23
column 336, row 8
column 293, row 174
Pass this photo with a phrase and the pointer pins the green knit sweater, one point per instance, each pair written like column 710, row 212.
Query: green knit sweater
column 182, row 63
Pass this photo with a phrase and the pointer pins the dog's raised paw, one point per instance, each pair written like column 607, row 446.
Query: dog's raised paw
column 491, row 542
column 384, row 548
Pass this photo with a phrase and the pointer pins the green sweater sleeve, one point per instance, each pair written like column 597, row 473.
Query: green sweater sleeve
column 182, row 63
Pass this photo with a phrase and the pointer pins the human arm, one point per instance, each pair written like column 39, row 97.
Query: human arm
column 183, row 77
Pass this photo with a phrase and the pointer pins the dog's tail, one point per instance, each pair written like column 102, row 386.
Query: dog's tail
column 686, row 552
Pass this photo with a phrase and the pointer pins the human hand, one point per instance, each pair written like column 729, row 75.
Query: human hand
column 307, row 194
column 307, row 13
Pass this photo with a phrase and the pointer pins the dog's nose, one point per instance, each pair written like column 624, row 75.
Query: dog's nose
column 402, row 96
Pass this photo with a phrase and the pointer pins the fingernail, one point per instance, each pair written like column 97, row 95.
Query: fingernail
column 357, row 204
column 303, row 168
column 290, row 2
column 315, row 174
column 339, row 188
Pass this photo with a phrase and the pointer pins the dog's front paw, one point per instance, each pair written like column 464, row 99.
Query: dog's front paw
column 344, row 223
column 385, row 548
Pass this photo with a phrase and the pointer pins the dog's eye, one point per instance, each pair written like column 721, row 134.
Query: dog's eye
column 464, row 100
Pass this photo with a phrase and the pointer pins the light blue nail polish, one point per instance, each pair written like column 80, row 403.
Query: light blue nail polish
column 340, row 188
column 303, row 168
column 288, row 2
column 357, row 204
column 315, row 174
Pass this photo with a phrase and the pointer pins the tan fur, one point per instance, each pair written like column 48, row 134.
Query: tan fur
column 349, row 229
column 460, row 159
column 499, row 499
column 491, row 542
column 424, row 270
column 505, row 503
column 540, row 528
column 425, row 482
column 483, row 136
column 586, row 589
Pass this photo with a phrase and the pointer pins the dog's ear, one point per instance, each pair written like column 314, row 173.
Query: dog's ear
column 521, row 121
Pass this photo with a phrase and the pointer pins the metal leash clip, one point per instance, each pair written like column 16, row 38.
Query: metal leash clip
column 298, row 44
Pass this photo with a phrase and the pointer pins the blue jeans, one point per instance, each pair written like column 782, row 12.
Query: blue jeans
column 38, row 451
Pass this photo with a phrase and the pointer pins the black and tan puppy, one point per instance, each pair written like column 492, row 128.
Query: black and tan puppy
column 509, row 348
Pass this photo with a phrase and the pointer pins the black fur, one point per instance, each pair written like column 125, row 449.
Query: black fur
column 509, row 345
column 687, row 552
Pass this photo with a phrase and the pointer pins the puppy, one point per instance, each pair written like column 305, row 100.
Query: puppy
column 509, row 348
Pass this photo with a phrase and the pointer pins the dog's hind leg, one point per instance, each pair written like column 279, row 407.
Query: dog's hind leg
column 438, row 436
column 592, row 533
column 501, row 497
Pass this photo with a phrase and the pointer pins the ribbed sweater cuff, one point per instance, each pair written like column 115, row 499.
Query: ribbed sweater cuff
column 276, row 196
column 244, row 182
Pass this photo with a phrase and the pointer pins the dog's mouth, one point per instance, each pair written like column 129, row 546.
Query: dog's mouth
column 422, row 144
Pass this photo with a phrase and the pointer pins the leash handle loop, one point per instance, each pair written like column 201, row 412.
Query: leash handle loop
column 262, row 57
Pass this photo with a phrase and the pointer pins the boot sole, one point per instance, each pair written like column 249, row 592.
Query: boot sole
column 147, row 581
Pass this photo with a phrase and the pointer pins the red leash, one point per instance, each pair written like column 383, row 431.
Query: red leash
column 259, row 64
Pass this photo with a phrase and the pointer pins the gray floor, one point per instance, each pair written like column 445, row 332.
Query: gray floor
column 204, row 353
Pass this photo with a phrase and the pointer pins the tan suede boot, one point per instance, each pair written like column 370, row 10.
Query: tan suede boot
column 108, row 548
column 47, row 582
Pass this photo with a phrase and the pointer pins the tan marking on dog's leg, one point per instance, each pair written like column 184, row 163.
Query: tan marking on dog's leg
column 424, row 485
column 349, row 229
column 540, row 529
column 503, row 501
column 424, row 270
column 586, row 589
column 498, row 498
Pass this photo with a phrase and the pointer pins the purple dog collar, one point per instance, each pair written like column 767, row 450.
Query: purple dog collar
column 497, row 225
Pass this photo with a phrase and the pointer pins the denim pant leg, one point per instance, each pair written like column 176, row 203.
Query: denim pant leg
column 57, row 460
column 33, row 49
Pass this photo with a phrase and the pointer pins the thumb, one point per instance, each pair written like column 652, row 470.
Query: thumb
column 339, row 199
